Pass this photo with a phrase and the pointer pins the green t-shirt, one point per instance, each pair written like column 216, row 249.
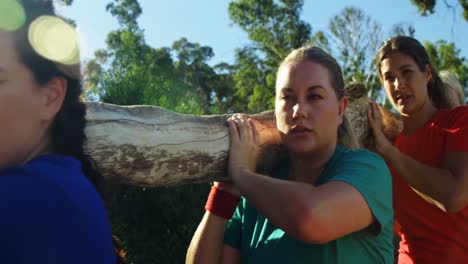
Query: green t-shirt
column 261, row 242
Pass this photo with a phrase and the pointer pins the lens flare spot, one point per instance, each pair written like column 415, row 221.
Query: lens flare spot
column 54, row 39
column 12, row 15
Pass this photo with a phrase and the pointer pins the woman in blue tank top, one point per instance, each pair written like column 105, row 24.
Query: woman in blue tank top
column 51, row 211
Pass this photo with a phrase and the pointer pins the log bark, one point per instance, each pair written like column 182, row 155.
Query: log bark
column 151, row 146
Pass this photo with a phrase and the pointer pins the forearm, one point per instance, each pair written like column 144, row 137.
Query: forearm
column 438, row 184
column 281, row 201
column 207, row 243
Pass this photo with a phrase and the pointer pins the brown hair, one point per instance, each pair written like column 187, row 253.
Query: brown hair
column 414, row 49
column 346, row 136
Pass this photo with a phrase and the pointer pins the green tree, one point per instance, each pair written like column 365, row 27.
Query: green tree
column 212, row 83
column 223, row 84
column 446, row 56
column 153, row 224
column 130, row 72
column 426, row 7
column 126, row 12
column 357, row 37
column 65, row 2
column 275, row 28
column 402, row 29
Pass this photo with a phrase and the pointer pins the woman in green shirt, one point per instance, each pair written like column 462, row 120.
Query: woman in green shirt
column 323, row 204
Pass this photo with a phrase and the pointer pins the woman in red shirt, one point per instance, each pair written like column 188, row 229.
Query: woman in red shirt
column 429, row 158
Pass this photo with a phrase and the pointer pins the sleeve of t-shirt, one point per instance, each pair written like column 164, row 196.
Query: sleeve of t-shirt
column 233, row 233
column 37, row 223
column 457, row 130
column 369, row 174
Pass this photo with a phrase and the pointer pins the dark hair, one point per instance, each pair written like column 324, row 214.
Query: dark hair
column 346, row 135
column 414, row 49
column 67, row 130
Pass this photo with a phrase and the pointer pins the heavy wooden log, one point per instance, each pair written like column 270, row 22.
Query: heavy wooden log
column 151, row 146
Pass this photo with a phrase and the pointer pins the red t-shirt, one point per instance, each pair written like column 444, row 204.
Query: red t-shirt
column 428, row 234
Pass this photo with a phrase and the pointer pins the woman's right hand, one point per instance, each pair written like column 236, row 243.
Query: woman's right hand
column 244, row 146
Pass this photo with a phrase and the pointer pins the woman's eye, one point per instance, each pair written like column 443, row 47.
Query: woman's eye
column 314, row 97
column 389, row 78
column 406, row 72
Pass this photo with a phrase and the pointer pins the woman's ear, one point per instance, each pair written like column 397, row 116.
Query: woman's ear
column 53, row 94
column 428, row 73
column 343, row 103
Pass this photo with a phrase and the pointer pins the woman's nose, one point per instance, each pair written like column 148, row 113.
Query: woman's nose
column 298, row 111
column 399, row 84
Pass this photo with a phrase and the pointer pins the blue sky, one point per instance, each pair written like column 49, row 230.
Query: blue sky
column 207, row 22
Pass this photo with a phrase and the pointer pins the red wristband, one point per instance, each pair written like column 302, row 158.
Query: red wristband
column 221, row 203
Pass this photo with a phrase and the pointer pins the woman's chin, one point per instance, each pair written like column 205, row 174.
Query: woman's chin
column 405, row 110
column 301, row 148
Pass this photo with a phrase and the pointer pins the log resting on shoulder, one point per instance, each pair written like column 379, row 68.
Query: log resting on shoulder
column 151, row 146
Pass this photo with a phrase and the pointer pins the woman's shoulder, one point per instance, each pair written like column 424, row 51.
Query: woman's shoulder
column 45, row 168
column 55, row 161
column 50, row 192
column 452, row 117
column 360, row 168
column 46, row 177
column 30, row 185
column 44, row 163
column 359, row 155
column 357, row 161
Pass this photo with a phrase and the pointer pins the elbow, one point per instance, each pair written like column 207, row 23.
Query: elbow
column 311, row 227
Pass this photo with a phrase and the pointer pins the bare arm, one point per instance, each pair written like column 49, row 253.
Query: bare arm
column 308, row 213
column 207, row 244
column 445, row 187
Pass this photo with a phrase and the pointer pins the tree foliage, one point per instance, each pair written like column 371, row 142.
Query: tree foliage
column 130, row 72
column 426, row 7
column 126, row 12
column 445, row 56
column 213, row 86
column 357, row 47
column 402, row 29
column 274, row 28
column 65, row 2
column 154, row 225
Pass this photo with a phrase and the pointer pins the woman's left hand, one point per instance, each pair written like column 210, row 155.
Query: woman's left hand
column 382, row 144
column 244, row 147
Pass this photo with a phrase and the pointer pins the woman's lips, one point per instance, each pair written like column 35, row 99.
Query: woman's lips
column 299, row 131
column 403, row 99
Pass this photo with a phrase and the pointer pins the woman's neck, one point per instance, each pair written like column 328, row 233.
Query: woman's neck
column 42, row 147
column 307, row 167
column 415, row 121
